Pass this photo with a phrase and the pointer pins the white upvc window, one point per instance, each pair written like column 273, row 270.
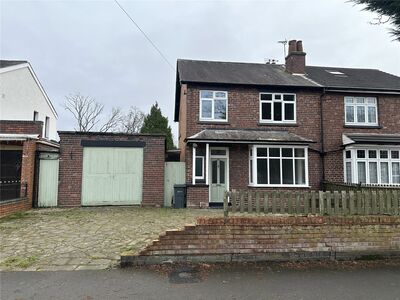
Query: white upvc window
column 361, row 111
column 199, row 167
column 213, row 106
column 372, row 165
column 278, row 166
column 277, row 108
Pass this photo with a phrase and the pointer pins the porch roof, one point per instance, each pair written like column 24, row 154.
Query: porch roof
column 370, row 138
column 237, row 136
column 17, row 137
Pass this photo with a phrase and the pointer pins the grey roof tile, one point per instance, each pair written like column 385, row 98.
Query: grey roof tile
column 238, row 73
column 244, row 135
column 9, row 63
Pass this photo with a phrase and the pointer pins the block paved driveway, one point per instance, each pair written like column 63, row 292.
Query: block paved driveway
column 84, row 238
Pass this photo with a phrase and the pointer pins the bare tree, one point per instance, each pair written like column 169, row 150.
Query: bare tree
column 87, row 113
column 132, row 122
column 113, row 121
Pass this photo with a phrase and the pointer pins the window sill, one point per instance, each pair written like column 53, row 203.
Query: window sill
column 362, row 126
column 277, row 124
column 214, row 122
column 278, row 186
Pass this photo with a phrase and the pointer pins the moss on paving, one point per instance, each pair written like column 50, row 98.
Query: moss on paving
column 19, row 262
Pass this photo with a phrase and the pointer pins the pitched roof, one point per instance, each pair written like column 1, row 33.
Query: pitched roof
column 244, row 135
column 370, row 138
column 9, row 63
column 370, row 79
column 238, row 73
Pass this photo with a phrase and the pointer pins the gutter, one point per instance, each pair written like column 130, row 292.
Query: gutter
column 322, row 132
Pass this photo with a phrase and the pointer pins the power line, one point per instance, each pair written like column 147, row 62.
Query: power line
column 146, row 36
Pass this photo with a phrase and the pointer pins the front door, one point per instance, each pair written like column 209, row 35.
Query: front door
column 218, row 179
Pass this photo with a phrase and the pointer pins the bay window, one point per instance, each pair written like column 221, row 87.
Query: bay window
column 277, row 108
column 361, row 111
column 213, row 106
column 278, row 166
column 372, row 166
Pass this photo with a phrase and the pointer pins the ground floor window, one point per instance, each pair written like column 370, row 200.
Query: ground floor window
column 372, row 165
column 278, row 166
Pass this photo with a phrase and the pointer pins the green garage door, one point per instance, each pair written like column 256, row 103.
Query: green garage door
column 112, row 176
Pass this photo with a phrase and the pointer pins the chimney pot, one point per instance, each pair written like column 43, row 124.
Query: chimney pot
column 292, row 46
column 295, row 61
column 299, row 46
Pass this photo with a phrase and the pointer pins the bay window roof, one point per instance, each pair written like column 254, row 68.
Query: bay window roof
column 370, row 138
column 246, row 136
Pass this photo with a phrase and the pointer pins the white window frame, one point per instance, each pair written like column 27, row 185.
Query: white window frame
column 202, row 167
column 266, row 121
column 365, row 105
column 46, row 127
column 253, row 158
column 354, row 160
column 212, row 119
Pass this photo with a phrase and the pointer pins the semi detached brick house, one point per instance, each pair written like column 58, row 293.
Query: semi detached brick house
column 292, row 126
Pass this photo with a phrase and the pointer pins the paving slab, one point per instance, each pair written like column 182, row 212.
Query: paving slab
column 84, row 238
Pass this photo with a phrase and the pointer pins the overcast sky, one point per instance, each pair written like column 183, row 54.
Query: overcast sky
column 91, row 47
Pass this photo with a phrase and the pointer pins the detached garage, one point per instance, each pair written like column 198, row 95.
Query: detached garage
column 111, row 169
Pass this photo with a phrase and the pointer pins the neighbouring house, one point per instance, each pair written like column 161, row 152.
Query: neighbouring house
column 22, row 97
column 27, row 128
column 272, row 127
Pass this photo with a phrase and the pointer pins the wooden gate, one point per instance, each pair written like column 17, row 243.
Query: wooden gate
column 48, row 179
column 174, row 174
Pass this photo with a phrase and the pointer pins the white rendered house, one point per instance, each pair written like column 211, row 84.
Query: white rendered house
column 23, row 98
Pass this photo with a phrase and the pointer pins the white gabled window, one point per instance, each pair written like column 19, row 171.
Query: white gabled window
column 46, row 127
column 361, row 111
column 278, row 166
column 213, row 106
column 372, row 165
column 199, row 167
column 277, row 108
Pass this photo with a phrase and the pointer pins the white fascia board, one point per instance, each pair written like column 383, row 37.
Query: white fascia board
column 17, row 137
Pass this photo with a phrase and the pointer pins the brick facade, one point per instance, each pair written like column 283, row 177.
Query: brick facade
column 21, row 127
column 285, row 238
column 243, row 113
column 71, row 163
column 334, row 127
column 27, row 164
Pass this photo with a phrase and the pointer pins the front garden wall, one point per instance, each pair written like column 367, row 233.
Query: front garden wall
column 275, row 238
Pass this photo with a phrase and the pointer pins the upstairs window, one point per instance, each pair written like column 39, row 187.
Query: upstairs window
column 361, row 111
column 46, row 127
column 277, row 108
column 213, row 106
column 35, row 116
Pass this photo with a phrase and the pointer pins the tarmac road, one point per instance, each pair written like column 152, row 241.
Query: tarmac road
column 209, row 282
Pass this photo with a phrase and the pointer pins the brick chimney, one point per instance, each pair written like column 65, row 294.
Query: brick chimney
column 295, row 61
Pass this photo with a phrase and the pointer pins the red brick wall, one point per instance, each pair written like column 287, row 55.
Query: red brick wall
column 71, row 159
column 278, row 238
column 243, row 113
column 197, row 196
column 27, row 176
column 334, row 127
column 21, row 127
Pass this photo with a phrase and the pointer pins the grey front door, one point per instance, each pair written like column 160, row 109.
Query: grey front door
column 218, row 179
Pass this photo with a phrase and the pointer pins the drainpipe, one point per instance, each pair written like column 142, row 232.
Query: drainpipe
column 322, row 152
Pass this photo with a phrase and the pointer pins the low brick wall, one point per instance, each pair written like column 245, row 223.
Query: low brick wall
column 197, row 196
column 274, row 238
column 11, row 207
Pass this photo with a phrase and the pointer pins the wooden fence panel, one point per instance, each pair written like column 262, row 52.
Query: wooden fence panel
column 303, row 203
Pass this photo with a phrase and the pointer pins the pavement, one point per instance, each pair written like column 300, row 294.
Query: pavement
column 339, row 281
column 84, row 238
